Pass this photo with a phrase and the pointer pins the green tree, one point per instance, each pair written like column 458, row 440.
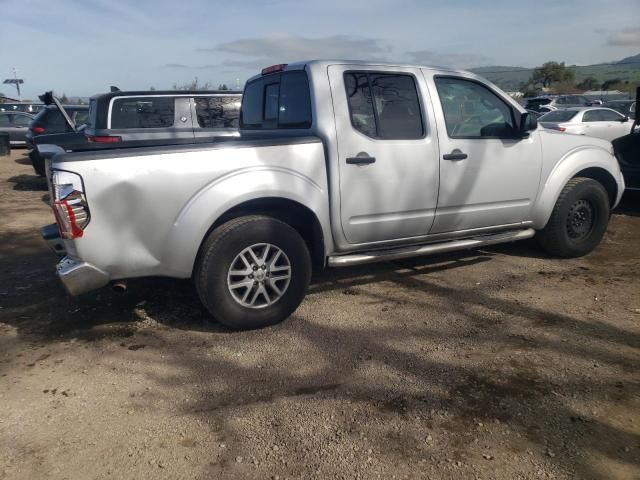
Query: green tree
column 223, row 86
column 193, row 85
column 608, row 84
column 589, row 83
column 64, row 99
column 552, row 72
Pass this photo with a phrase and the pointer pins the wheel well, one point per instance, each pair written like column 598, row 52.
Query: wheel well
column 296, row 215
column 605, row 178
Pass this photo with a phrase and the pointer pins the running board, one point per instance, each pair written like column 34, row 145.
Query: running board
column 420, row 250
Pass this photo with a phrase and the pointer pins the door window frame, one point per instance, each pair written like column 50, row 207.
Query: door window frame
column 423, row 116
column 486, row 87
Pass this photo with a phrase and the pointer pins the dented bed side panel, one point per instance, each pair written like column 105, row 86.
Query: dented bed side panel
column 150, row 213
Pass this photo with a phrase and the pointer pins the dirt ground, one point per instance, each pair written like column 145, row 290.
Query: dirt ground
column 495, row 364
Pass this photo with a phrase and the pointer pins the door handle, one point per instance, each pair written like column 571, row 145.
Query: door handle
column 454, row 155
column 361, row 160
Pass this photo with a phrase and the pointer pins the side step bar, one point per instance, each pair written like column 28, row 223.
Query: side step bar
column 420, row 250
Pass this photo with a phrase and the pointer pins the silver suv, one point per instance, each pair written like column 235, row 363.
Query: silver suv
column 162, row 115
column 546, row 104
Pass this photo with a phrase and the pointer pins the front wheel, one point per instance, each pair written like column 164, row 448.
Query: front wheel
column 578, row 221
column 252, row 272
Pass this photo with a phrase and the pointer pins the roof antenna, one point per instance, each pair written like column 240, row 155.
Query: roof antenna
column 113, row 88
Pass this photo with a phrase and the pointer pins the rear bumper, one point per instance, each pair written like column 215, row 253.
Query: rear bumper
column 76, row 276
column 80, row 277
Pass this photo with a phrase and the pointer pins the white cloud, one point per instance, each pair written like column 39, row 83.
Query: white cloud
column 455, row 60
column 286, row 47
column 627, row 37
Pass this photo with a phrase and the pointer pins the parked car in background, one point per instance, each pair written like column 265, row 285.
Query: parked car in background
column 596, row 122
column 16, row 124
column 548, row 103
column 340, row 164
column 625, row 107
column 627, row 150
column 49, row 121
column 21, row 107
column 155, row 115
column 141, row 119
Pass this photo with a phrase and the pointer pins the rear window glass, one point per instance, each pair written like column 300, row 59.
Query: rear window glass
column 277, row 101
column 81, row 117
column 93, row 112
column 558, row 116
column 536, row 102
column 218, row 112
column 52, row 119
column 142, row 112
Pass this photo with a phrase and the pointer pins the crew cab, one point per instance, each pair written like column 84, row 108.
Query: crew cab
column 338, row 163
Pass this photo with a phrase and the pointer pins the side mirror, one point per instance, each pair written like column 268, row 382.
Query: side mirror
column 528, row 123
column 624, row 119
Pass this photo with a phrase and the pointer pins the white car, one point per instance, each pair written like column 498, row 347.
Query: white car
column 598, row 122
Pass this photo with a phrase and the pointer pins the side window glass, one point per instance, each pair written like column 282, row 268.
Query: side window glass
column 609, row 116
column 360, row 103
column 471, row 110
column 591, row 116
column 21, row 120
column 218, row 112
column 4, row 120
column 142, row 112
column 384, row 106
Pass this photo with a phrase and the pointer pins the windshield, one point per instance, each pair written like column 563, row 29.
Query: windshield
column 558, row 116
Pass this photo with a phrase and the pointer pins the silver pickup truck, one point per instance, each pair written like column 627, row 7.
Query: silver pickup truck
column 338, row 164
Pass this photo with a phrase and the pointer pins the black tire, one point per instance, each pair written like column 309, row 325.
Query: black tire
column 38, row 162
column 221, row 248
column 578, row 221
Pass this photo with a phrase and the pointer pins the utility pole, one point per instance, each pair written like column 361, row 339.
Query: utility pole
column 15, row 81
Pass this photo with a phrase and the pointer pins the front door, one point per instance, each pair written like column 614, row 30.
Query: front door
column 488, row 177
column 388, row 153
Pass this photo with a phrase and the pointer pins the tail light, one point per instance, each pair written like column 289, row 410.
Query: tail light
column 558, row 127
column 69, row 204
column 37, row 130
column 103, row 139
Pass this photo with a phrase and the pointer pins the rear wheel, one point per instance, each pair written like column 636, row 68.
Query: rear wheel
column 578, row 221
column 252, row 272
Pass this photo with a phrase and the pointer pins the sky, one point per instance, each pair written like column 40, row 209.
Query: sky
column 81, row 47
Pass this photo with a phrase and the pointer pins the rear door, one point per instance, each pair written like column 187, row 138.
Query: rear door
column 604, row 124
column 388, row 153
column 215, row 115
column 149, row 118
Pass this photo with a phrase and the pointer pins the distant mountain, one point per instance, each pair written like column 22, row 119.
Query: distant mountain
column 511, row 78
column 633, row 59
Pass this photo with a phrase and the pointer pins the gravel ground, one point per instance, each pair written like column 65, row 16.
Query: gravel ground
column 500, row 363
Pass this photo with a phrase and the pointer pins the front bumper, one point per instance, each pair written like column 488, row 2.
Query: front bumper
column 77, row 276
